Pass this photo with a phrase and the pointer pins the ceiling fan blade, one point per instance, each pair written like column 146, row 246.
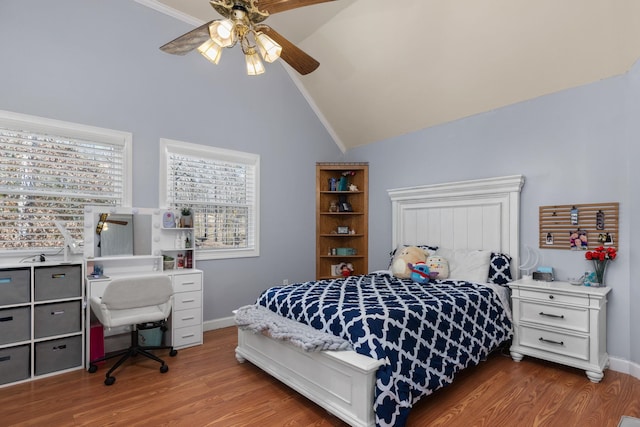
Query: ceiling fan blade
column 292, row 54
column 187, row 42
column 277, row 6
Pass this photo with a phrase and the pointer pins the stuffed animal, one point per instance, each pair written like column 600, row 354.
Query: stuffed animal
column 420, row 272
column 346, row 269
column 438, row 264
column 404, row 256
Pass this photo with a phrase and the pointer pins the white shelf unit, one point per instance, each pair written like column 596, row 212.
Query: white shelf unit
column 175, row 242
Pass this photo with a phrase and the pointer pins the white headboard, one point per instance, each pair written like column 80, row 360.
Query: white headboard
column 478, row 214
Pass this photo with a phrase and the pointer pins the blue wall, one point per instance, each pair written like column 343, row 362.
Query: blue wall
column 575, row 146
column 98, row 63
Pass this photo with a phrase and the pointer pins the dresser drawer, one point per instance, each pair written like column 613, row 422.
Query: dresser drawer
column 189, row 317
column 573, row 318
column 573, row 346
column 184, row 337
column 551, row 296
column 187, row 282
column 187, row 300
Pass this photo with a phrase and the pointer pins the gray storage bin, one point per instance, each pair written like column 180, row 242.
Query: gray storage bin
column 56, row 318
column 56, row 355
column 14, row 364
column 15, row 324
column 57, row 282
column 15, row 286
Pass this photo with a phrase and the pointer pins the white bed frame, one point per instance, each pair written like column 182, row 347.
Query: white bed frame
column 479, row 214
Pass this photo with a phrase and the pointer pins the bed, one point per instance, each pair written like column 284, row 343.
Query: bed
column 353, row 379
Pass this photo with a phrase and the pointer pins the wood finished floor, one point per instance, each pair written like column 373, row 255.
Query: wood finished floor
column 206, row 386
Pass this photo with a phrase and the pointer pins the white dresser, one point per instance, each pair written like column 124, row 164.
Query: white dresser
column 185, row 322
column 562, row 323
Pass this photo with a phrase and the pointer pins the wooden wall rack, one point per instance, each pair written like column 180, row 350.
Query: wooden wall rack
column 556, row 225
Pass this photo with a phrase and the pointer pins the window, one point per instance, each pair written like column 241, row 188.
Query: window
column 49, row 170
column 221, row 188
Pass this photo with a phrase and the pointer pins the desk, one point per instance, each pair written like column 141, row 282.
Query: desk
column 184, row 324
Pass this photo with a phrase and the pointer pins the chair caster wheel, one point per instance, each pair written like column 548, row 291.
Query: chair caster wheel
column 173, row 353
column 109, row 380
column 92, row 369
column 164, row 369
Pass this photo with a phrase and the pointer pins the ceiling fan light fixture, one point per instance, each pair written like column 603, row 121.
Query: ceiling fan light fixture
column 222, row 32
column 269, row 49
column 211, row 50
column 254, row 64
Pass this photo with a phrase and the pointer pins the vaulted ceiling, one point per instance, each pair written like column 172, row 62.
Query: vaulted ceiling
column 389, row 68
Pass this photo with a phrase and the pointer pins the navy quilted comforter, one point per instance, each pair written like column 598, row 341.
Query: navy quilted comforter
column 425, row 333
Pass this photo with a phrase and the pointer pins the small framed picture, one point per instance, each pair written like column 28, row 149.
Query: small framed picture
column 168, row 220
column 343, row 230
column 336, row 269
column 605, row 239
column 549, row 240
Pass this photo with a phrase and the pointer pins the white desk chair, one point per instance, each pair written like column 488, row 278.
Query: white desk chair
column 131, row 301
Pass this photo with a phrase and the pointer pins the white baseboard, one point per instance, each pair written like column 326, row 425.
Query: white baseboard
column 225, row 322
column 624, row 366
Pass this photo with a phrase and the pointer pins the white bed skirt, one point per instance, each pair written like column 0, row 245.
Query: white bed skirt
column 342, row 382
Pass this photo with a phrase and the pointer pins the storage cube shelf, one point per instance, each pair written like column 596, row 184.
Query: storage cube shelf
column 41, row 321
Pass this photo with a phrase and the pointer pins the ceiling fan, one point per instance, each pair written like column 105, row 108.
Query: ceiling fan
column 242, row 24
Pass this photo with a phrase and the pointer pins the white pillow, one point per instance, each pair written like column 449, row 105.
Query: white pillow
column 468, row 265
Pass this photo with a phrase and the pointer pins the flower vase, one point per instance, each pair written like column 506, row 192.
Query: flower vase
column 599, row 268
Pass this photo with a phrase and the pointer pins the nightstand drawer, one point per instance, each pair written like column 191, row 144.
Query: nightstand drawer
column 573, row 318
column 573, row 346
column 550, row 296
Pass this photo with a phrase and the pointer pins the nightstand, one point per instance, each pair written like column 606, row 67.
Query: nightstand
column 562, row 323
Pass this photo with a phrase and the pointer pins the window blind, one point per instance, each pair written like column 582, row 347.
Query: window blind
column 46, row 177
column 221, row 191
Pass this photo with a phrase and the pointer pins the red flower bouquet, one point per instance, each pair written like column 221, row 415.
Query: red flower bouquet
column 601, row 257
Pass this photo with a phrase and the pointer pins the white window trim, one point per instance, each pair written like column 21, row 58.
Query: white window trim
column 173, row 146
column 76, row 130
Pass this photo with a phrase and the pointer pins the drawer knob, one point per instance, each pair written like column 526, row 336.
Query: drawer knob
column 556, row 316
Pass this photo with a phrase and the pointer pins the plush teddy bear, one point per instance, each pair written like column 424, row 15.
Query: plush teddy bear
column 404, row 256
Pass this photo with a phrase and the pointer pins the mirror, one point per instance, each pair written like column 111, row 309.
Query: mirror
column 115, row 232
column 114, row 235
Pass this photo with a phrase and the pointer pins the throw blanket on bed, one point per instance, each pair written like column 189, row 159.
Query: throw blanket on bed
column 257, row 318
column 426, row 333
